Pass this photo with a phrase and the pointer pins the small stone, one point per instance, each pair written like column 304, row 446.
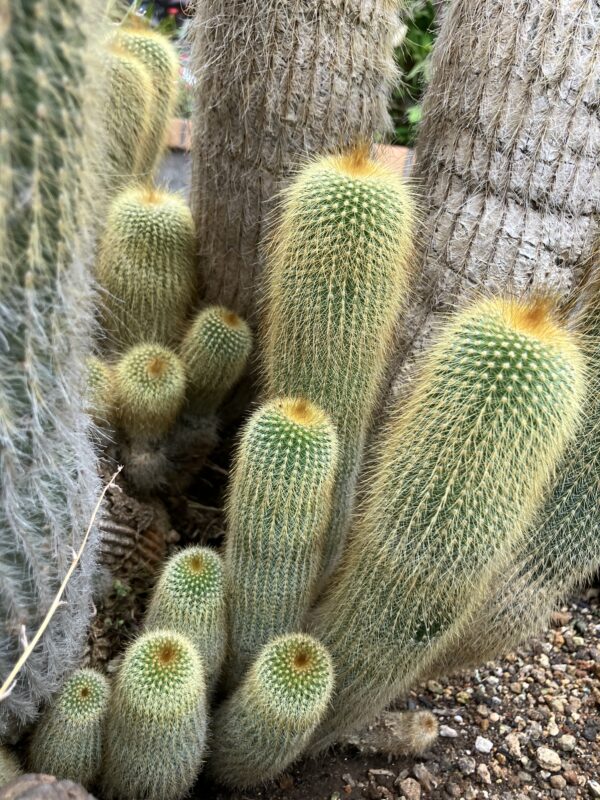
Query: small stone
column 463, row 698
column 447, row 732
column 467, row 765
column 484, row 774
column 553, row 729
column 348, row 779
column 567, row 743
column 548, row 759
column 483, row 745
column 513, row 745
column 435, row 687
column 571, row 777
column 453, row 789
column 411, row 789
column 594, row 788
column 557, row 782
column 494, row 717
column 425, row 778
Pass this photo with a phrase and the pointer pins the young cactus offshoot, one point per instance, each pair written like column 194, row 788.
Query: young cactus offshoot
column 67, row 741
column 462, row 468
column 190, row 598
column 156, row 726
column 278, row 512
column 338, row 275
column 265, row 724
column 100, row 391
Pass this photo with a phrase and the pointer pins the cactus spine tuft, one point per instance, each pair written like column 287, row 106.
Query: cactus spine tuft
column 67, row 741
column 281, row 700
column 100, row 390
column 343, row 249
column 215, row 351
column 278, row 512
column 156, row 726
column 190, row 598
column 150, row 389
column 146, row 267
column 9, row 766
column 461, row 471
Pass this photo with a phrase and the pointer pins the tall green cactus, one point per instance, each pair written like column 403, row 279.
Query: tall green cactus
column 266, row 723
column 338, row 275
column 278, row 512
column 156, row 725
column 190, row 598
column 48, row 483
column 146, row 267
column 214, row 350
column 462, row 469
column 67, row 741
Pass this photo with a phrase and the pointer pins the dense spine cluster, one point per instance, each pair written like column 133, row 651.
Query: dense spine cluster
column 461, row 471
column 67, row 741
column 278, row 511
column 266, row 723
column 337, row 278
column 157, row 720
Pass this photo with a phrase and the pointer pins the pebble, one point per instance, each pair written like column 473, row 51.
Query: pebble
column 513, row 745
column 447, row 732
column 484, row 774
column 594, row 788
column 410, row 789
column 483, row 745
column 567, row 742
column 467, row 765
column 424, row 776
column 548, row 759
column 557, row 782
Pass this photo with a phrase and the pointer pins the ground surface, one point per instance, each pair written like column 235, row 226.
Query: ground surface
column 526, row 727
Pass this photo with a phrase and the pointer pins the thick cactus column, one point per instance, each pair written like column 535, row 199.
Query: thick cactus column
column 279, row 507
column 462, row 469
column 156, row 726
column 338, row 274
column 266, row 723
column 67, row 741
column 49, row 202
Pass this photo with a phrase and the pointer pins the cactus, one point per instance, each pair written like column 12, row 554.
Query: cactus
column 338, row 275
column 278, row 512
column 9, row 766
column 461, row 471
column 100, row 390
column 156, row 726
column 190, row 598
column 67, row 741
column 146, row 267
column 264, row 725
column 49, row 104
column 160, row 58
column 149, row 389
column 128, row 118
column 214, row 350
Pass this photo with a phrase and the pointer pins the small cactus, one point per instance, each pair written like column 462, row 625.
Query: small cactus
column 338, row 275
column 9, row 766
column 278, row 512
column 157, row 719
column 461, row 471
column 100, row 391
column 190, row 598
column 160, row 58
column 149, row 389
column 215, row 351
column 146, row 267
column 265, row 724
column 67, row 741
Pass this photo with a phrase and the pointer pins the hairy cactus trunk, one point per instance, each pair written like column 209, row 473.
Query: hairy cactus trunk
column 508, row 155
column 276, row 81
column 48, row 481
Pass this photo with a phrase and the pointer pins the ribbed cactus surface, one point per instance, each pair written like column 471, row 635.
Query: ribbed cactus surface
column 146, row 267
column 215, row 350
column 156, row 726
column 279, row 507
column 338, row 274
column 190, row 598
column 48, row 483
column 462, row 467
column 67, row 741
column 265, row 724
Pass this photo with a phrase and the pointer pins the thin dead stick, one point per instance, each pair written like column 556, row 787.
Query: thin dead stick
column 10, row 682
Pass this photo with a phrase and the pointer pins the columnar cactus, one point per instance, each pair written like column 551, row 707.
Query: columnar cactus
column 149, row 383
column 9, row 766
column 338, row 275
column 156, row 726
column 160, row 58
column 67, row 741
column 49, row 107
column 146, row 267
column 461, row 471
column 190, row 598
column 278, row 512
column 265, row 724
column 214, row 350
